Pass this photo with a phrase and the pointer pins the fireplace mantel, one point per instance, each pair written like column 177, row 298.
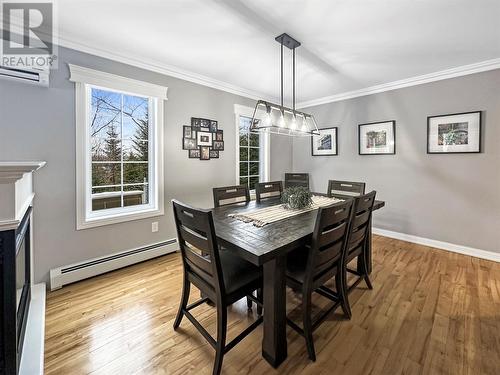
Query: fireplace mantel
column 16, row 190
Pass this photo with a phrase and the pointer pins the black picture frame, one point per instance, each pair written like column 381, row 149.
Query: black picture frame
column 194, row 154
column 219, row 135
column 375, row 123
column 218, row 145
column 336, row 142
column 480, row 136
column 214, row 154
column 204, row 153
column 213, row 126
column 187, row 132
column 192, row 147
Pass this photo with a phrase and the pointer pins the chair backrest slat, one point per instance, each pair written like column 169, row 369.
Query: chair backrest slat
column 330, row 237
column 296, row 179
column 230, row 195
column 265, row 190
column 198, row 244
column 363, row 207
column 346, row 188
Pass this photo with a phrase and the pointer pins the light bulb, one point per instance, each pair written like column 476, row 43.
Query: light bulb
column 282, row 121
column 267, row 119
column 294, row 123
column 304, row 125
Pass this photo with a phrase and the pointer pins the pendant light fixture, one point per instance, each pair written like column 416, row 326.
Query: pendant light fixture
column 278, row 119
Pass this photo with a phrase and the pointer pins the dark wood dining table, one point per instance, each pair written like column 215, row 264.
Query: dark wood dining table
column 268, row 247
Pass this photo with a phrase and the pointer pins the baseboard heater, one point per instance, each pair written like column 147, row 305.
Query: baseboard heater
column 93, row 267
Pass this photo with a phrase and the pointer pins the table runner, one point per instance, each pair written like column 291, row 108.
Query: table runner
column 267, row 215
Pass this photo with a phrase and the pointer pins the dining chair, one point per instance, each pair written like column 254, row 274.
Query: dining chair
column 296, row 179
column 266, row 190
column 222, row 277
column 230, row 195
column 359, row 237
column 345, row 188
column 309, row 268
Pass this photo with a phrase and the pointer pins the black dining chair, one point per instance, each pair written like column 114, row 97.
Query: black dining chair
column 222, row 277
column 230, row 195
column 308, row 269
column 359, row 237
column 296, row 179
column 266, row 190
column 345, row 188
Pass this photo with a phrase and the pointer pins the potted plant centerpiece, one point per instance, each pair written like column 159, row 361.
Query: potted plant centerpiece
column 296, row 198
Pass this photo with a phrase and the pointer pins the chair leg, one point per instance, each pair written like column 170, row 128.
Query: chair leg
column 307, row 324
column 221, row 338
column 260, row 298
column 186, row 288
column 341, row 283
column 249, row 303
column 365, row 272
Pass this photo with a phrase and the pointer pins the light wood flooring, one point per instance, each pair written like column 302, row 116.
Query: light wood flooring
column 430, row 312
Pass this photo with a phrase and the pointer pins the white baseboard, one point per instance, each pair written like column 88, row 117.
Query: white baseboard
column 34, row 339
column 478, row 253
column 93, row 267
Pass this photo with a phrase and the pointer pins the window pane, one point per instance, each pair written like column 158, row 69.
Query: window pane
column 253, row 181
column 254, row 154
column 105, row 114
column 254, row 139
column 106, row 149
column 135, row 173
column 104, row 198
column 243, row 169
column 135, row 195
column 254, row 169
column 243, row 153
column 135, row 117
column 135, row 150
column 244, row 139
column 244, row 124
column 244, row 181
column 106, row 174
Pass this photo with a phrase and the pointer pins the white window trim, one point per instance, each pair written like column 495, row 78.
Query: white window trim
column 84, row 79
column 241, row 110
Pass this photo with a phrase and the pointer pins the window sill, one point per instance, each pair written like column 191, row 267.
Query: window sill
column 118, row 218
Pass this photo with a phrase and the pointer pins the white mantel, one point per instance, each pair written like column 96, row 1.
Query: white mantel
column 16, row 190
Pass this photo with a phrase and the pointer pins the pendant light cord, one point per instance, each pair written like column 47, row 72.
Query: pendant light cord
column 282, row 76
column 293, row 68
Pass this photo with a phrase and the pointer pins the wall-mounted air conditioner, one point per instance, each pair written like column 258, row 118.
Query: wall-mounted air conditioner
column 35, row 76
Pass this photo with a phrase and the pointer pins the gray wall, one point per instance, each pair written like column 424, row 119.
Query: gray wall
column 451, row 198
column 39, row 124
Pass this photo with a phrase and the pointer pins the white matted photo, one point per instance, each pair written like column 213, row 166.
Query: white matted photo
column 455, row 133
column 325, row 143
column 204, row 138
column 377, row 138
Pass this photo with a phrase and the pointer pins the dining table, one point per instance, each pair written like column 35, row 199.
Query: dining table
column 268, row 246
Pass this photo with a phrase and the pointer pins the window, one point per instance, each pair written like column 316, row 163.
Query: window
column 119, row 148
column 249, row 142
column 252, row 150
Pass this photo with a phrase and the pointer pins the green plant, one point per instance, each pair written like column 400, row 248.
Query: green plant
column 296, row 198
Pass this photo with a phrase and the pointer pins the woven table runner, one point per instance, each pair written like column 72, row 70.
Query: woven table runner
column 267, row 215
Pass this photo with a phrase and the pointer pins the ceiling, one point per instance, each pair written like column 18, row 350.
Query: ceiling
column 346, row 44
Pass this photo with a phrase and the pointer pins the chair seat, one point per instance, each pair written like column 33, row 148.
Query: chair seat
column 238, row 273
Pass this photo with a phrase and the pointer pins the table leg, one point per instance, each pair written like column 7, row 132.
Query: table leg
column 274, row 346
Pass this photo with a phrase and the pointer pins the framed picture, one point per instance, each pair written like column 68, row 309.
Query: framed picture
column 194, row 154
column 204, row 138
column 214, row 154
column 189, row 144
column 204, row 153
column 205, row 123
column 213, row 126
column 188, row 132
column 219, row 136
column 454, row 134
column 324, row 144
column 377, row 138
column 195, row 123
column 218, row 145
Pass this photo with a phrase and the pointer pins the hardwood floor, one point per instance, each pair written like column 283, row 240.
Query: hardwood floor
column 430, row 312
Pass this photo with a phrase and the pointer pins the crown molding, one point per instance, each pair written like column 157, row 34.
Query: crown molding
column 464, row 70
column 162, row 68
